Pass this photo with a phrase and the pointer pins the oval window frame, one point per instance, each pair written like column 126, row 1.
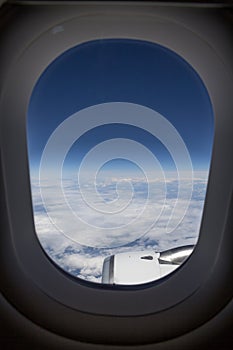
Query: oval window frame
column 57, row 290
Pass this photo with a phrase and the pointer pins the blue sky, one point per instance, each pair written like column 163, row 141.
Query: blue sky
column 121, row 70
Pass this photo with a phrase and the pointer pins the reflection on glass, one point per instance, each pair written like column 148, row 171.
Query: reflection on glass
column 120, row 136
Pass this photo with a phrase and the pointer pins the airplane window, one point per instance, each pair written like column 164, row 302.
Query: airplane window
column 120, row 135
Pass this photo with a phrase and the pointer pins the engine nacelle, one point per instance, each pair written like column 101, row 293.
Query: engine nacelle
column 139, row 267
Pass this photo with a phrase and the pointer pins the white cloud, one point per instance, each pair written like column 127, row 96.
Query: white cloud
column 86, row 262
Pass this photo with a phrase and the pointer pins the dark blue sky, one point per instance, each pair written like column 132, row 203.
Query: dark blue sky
column 122, row 70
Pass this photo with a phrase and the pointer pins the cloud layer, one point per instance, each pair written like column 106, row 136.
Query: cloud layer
column 148, row 232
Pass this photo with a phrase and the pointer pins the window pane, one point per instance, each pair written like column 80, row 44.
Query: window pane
column 120, row 136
